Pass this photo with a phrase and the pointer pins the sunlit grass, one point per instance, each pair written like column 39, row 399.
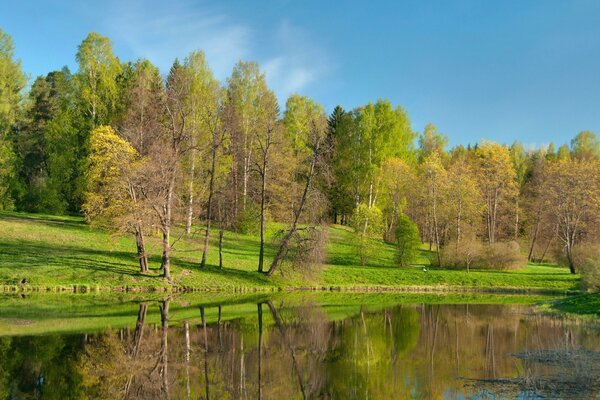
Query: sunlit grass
column 41, row 251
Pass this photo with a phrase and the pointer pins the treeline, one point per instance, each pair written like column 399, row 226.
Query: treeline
column 139, row 151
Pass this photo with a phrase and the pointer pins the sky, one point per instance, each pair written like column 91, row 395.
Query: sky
column 526, row 70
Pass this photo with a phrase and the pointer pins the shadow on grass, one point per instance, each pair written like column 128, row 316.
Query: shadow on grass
column 23, row 255
column 52, row 221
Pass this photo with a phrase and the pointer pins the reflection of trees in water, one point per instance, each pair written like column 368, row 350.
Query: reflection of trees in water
column 296, row 351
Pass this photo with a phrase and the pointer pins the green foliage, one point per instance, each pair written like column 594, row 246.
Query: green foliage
column 97, row 78
column 110, row 161
column 587, row 261
column 12, row 82
column 408, row 240
column 248, row 221
column 368, row 225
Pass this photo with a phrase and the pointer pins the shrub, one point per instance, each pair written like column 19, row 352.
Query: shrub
column 463, row 255
column 586, row 258
column 502, row 255
column 471, row 253
column 407, row 240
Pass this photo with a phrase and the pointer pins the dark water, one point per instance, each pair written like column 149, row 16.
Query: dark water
column 301, row 350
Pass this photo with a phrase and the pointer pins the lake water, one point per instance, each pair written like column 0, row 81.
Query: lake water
column 292, row 347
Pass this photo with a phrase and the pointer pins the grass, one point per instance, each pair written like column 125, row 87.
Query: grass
column 581, row 305
column 46, row 252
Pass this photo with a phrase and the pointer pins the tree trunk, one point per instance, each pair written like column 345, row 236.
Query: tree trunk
column 533, row 240
column 166, row 228
column 221, row 232
column 261, row 254
column 190, row 210
column 570, row 257
column 166, row 256
column 209, row 205
column 141, row 248
column 283, row 247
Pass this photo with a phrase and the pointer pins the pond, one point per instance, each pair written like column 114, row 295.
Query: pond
column 338, row 346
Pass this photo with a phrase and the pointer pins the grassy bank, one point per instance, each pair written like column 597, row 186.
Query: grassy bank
column 40, row 252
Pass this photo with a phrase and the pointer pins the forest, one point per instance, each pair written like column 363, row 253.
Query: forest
column 169, row 154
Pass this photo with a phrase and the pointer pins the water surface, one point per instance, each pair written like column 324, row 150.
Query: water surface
column 292, row 347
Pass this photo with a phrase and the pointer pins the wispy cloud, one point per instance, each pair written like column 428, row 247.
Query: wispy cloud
column 299, row 60
column 163, row 31
column 290, row 57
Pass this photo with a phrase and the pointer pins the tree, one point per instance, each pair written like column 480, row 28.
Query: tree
column 267, row 134
column 519, row 160
column 345, row 165
column 12, row 82
column 434, row 176
column 385, row 132
column 585, row 145
column 208, row 102
column 573, row 190
column 432, row 142
column 243, row 90
column 496, row 179
column 97, row 78
column 112, row 193
column 464, row 199
column 163, row 162
column 305, row 125
column 407, row 240
column 398, row 181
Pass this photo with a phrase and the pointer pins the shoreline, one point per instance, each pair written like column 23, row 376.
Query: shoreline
column 82, row 289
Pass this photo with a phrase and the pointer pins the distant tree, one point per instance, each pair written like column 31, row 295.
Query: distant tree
column 97, row 78
column 563, row 153
column 496, row 178
column 434, row 178
column 431, row 141
column 12, row 82
column 398, row 185
column 243, row 88
column 573, row 191
column 407, row 240
column 585, row 145
column 464, row 202
column 519, row 159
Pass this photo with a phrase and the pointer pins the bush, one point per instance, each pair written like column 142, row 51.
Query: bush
column 586, row 258
column 368, row 225
column 471, row 253
column 407, row 240
column 502, row 255
column 464, row 255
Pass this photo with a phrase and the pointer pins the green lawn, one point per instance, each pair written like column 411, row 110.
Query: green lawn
column 49, row 252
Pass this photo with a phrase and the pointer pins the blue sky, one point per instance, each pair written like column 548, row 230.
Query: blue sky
column 500, row 70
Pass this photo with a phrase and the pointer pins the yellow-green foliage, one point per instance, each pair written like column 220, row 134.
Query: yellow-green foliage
column 108, row 175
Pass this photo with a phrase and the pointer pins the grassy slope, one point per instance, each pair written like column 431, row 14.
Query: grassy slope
column 50, row 252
